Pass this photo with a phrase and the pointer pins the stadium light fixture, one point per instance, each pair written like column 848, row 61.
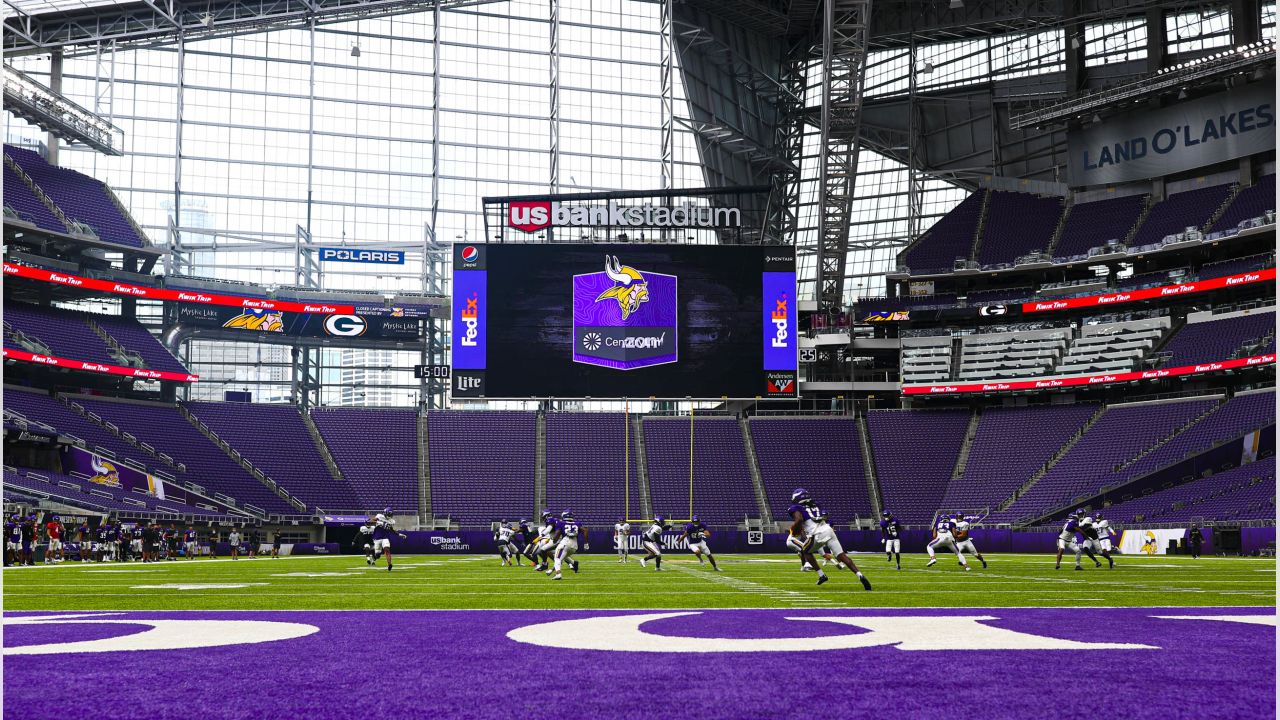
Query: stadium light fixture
column 955, row 5
column 1182, row 94
column 207, row 20
column 1075, row 42
column 926, row 68
column 1096, row 118
column 355, row 51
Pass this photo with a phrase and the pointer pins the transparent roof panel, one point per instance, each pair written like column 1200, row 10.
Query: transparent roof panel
column 42, row 7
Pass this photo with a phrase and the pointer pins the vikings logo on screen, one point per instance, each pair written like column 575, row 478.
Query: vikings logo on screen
column 263, row 320
column 625, row 318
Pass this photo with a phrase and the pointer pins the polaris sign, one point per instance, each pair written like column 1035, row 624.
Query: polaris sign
column 1184, row 136
column 354, row 255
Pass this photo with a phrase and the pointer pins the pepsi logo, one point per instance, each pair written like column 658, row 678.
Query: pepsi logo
column 470, row 253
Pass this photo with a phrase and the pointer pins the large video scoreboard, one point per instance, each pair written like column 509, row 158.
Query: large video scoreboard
column 623, row 320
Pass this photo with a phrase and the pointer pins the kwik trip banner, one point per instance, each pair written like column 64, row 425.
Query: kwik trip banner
column 102, row 470
column 1184, row 136
column 88, row 366
column 470, row 319
column 1128, row 296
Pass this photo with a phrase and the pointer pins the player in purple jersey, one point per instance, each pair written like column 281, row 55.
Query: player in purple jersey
column 944, row 539
column 697, row 533
column 12, row 540
column 384, row 528
column 190, row 544
column 891, row 536
column 809, row 526
column 565, row 532
column 1071, row 539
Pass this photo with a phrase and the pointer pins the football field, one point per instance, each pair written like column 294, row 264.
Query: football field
column 461, row 636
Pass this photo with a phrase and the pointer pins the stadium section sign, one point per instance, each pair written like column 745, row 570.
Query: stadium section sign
column 1184, row 136
column 1248, row 278
column 1050, row 383
column 51, row 361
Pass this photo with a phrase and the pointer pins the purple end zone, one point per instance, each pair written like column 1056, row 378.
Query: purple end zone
column 462, row 664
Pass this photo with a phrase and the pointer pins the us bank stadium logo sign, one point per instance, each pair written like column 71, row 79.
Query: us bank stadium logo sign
column 532, row 216
column 625, row 318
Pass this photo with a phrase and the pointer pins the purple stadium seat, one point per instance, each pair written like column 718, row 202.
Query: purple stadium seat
column 722, row 491
column 29, row 207
column 482, row 465
column 1017, row 224
column 1202, row 342
column 80, row 197
column 915, row 455
column 377, row 451
column 591, row 467
column 275, row 440
column 950, row 238
column 1253, row 201
column 822, row 455
column 1179, row 211
column 1247, row 492
column 65, row 332
column 1093, row 224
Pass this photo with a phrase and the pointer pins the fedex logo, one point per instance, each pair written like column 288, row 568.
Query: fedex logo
column 471, row 320
column 780, row 323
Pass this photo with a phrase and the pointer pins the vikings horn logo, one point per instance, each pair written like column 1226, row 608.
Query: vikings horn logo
column 104, row 473
column 264, row 320
column 631, row 288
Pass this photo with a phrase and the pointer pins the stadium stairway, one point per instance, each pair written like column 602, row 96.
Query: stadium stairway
column 869, row 467
column 642, row 467
column 962, row 460
column 1062, row 452
column 322, row 447
column 242, row 461
column 757, row 479
column 540, row 464
column 1169, row 438
column 425, row 517
column 122, row 355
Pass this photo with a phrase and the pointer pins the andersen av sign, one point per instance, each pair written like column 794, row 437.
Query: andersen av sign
column 534, row 215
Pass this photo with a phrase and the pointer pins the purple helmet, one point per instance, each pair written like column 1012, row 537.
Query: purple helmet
column 800, row 495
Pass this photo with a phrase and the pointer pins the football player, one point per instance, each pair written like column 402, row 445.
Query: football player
column 1091, row 545
column 525, row 536
column 944, row 538
column 364, row 541
column 621, row 534
column 384, row 528
column 697, row 533
column 891, row 536
column 543, row 546
column 809, row 525
column 13, row 540
column 566, row 542
column 504, row 536
column 651, row 539
column 1068, row 540
column 189, row 538
column 1105, row 533
column 963, row 542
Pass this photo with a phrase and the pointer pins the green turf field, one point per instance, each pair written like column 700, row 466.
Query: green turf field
column 748, row 581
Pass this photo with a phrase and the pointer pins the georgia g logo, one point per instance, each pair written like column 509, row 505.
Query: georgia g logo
column 345, row 325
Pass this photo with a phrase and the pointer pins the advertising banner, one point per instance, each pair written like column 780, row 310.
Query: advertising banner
column 356, row 255
column 51, row 361
column 1119, row 298
column 1187, row 135
column 186, row 296
column 301, row 324
column 1075, row 381
column 1149, row 542
column 104, row 471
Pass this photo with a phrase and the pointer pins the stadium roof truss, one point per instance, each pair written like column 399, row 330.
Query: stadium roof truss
column 39, row 26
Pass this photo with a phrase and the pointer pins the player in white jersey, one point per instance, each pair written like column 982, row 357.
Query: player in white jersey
column 1105, row 533
column 1089, row 530
column 621, row 534
column 544, row 545
column 504, row 536
column 652, row 541
column 963, row 541
column 944, row 539
column 565, row 537
column 364, row 541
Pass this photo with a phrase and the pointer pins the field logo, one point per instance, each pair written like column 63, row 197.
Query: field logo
column 624, row 318
column 257, row 319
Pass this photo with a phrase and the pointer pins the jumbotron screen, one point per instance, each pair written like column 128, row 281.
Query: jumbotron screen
column 639, row 321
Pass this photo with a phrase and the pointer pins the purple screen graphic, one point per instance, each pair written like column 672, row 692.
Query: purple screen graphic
column 648, row 336
column 470, row 319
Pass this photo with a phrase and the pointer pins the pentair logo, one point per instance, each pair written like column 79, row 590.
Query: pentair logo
column 470, row 253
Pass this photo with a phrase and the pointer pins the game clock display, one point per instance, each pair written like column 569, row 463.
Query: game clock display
column 623, row 321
